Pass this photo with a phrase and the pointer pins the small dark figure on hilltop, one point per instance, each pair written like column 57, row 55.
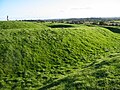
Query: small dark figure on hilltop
column 7, row 18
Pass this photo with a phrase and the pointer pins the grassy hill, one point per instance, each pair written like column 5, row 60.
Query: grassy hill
column 18, row 25
column 62, row 57
column 103, row 74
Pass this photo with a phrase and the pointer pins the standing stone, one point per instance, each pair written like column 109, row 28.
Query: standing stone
column 7, row 18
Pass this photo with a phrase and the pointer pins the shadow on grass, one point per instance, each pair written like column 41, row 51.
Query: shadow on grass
column 114, row 29
column 60, row 26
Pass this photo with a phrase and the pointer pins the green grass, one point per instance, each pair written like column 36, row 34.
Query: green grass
column 103, row 74
column 114, row 29
column 40, row 57
column 18, row 25
column 116, row 21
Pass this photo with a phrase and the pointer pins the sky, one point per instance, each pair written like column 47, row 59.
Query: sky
column 53, row 9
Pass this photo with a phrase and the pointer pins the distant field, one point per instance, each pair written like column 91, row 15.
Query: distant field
column 57, row 56
column 117, row 21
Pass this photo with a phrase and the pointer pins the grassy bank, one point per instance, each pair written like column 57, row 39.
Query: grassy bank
column 38, row 56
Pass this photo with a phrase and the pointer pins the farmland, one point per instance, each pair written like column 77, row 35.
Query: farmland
column 58, row 56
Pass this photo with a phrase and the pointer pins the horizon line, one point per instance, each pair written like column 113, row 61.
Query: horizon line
column 56, row 18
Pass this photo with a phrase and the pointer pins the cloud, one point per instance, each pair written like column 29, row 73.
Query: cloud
column 81, row 8
column 62, row 11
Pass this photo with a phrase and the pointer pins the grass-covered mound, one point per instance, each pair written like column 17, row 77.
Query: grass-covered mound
column 103, row 74
column 35, row 58
column 114, row 29
column 17, row 25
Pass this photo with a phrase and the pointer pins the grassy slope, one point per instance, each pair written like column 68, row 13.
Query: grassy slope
column 34, row 58
column 103, row 74
column 17, row 25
